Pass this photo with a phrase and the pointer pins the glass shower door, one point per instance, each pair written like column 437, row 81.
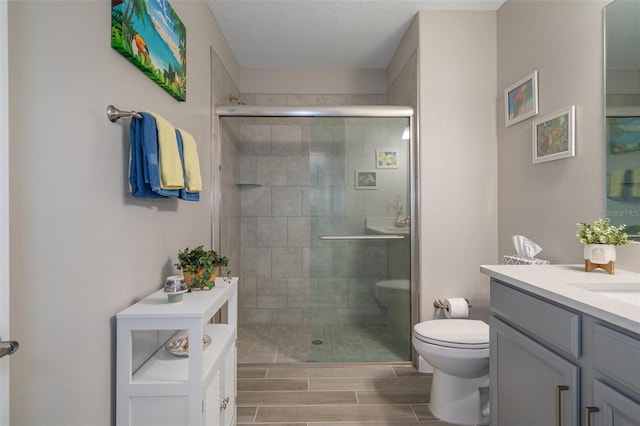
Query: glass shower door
column 360, row 244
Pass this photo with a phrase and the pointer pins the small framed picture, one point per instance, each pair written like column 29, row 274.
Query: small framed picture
column 554, row 136
column 386, row 159
column 521, row 99
column 366, row 180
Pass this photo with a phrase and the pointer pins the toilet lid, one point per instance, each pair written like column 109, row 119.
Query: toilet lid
column 454, row 333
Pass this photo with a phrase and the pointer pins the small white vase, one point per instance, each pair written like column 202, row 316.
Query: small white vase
column 600, row 254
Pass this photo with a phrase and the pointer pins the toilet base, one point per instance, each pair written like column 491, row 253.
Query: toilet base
column 459, row 400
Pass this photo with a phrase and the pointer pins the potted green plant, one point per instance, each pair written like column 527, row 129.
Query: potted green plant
column 600, row 240
column 200, row 267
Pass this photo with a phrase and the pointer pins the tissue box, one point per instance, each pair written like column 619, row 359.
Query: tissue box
column 515, row 260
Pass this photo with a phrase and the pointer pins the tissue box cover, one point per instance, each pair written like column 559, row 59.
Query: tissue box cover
column 515, row 260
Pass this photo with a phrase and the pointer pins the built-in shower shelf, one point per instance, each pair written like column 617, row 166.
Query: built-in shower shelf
column 247, row 184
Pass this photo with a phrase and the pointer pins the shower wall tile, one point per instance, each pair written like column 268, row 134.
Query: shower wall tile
column 321, row 262
column 298, row 170
column 255, row 139
column 271, row 293
column 256, row 201
column 348, row 261
column 247, row 293
column 302, row 99
column 377, row 260
column 361, row 293
column 256, row 262
column 286, row 140
column 306, row 261
column 320, row 200
column 298, row 292
column 330, row 225
column 353, row 141
column 261, row 99
column 333, row 292
column 256, row 316
column 271, row 232
column 286, row 262
column 289, row 316
column 336, row 171
column 272, row 170
column 298, row 231
column 248, row 169
column 286, row 201
column 338, row 200
column 249, row 231
column 306, row 201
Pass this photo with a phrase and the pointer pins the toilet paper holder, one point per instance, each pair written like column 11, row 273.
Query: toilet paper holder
column 439, row 305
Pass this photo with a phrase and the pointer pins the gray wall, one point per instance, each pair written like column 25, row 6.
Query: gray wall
column 81, row 248
column 457, row 119
column 564, row 41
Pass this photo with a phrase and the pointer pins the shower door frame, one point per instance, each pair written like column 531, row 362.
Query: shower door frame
column 373, row 111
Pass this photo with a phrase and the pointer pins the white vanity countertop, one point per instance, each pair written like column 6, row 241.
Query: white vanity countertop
column 568, row 284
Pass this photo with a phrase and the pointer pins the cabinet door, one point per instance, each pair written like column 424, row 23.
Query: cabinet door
column 615, row 408
column 525, row 381
column 212, row 397
column 229, row 393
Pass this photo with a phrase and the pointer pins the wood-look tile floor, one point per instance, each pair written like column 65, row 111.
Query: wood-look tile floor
column 333, row 394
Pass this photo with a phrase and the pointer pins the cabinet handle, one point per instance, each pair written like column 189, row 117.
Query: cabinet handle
column 587, row 414
column 559, row 390
column 225, row 401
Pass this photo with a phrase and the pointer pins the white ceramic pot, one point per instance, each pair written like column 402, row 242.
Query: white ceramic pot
column 600, row 254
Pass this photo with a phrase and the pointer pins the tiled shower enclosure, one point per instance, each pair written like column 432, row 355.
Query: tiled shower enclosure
column 293, row 181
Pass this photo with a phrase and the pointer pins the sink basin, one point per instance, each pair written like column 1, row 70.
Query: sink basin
column 626, row 296
column 623, row 292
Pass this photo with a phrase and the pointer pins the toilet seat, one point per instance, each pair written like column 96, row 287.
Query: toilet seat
column 454, row 333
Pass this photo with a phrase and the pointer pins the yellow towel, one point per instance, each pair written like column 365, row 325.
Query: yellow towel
column 171, row 176
column 635, row 178
column 616, row 184
column 191, row 162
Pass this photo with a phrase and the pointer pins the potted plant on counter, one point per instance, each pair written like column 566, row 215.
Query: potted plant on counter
column 200, row 267
column 600, row 241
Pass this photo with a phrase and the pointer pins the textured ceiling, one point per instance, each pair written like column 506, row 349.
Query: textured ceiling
column 323, row 33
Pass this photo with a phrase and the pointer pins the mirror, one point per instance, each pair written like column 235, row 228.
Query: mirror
column 622, row 111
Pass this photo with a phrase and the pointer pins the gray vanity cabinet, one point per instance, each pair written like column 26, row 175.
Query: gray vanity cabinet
column 550, row 365
column 532, row 384
column 611, row 408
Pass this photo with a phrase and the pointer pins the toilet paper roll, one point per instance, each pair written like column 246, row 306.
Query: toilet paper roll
column 456, row 307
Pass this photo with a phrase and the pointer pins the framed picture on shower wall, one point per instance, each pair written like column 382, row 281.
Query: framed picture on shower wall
column 554, row 136
column 386, row 159
column 521, row 99
column 366, row 180
column 152, row 37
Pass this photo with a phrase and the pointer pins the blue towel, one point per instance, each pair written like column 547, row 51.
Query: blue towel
column 144, row 174
column 183, row 194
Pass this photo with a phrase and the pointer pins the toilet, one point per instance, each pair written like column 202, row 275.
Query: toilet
column 458, row 350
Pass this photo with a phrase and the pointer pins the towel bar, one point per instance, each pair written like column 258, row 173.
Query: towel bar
column 114, row 114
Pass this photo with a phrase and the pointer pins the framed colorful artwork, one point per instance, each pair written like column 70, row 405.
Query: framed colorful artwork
column 150, row 34
column 521, row 99
column 554, row 136
column 386, row 159
column 366, row 180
